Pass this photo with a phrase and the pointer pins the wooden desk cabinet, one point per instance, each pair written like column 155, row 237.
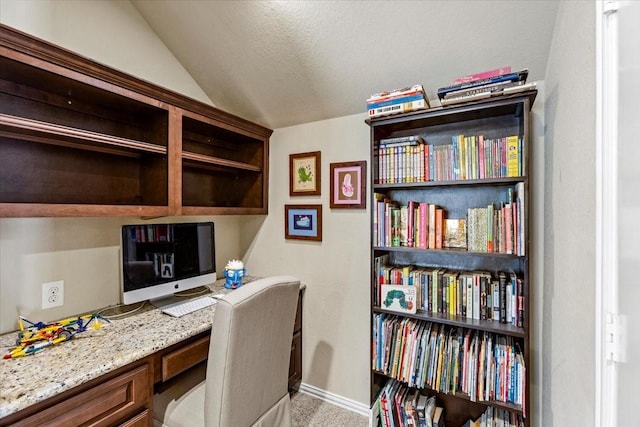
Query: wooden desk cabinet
column 295, row 362
column 124, row 397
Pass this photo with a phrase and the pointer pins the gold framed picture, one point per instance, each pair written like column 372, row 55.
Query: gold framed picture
column 304, row 174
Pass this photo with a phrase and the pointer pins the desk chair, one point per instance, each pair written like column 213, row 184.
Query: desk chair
column 248, row 364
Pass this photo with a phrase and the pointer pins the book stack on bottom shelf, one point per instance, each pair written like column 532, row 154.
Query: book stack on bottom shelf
column 398, row 405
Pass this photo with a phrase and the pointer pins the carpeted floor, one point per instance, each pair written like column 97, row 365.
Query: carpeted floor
column 311, row 411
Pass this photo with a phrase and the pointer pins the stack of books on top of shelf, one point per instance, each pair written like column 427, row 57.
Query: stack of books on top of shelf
column 501, row 81
column 396, row 101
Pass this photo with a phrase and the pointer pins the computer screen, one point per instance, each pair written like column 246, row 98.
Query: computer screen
column 161, row 259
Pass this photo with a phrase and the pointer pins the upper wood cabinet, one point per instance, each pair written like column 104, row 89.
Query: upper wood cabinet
column 80, row 139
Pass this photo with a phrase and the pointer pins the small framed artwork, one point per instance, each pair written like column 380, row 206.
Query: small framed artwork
column 348, row 184
column 303, row 222
column 304, row 174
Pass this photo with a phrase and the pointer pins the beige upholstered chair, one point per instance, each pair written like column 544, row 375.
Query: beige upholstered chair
column 248, row 365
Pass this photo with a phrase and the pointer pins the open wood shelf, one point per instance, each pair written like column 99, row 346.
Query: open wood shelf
column 81, row 139
column 50, row 133
column 203, row 161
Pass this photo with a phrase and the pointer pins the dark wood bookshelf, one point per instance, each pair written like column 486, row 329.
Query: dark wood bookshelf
column 495, row 117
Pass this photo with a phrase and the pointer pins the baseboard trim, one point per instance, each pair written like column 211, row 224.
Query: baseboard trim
column 343, row 402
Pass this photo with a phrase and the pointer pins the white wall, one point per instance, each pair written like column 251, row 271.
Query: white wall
column 568, row 323
column 110, row 32
column 336, row 335
column 84, row 251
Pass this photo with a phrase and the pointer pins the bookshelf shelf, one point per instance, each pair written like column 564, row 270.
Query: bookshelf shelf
column 49, row 133
column 449, row 251
column 463, row 396
column 460, row 182
column 482, row 325
column 471, row 302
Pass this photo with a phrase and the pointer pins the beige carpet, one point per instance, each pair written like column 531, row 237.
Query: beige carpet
column 311, row 411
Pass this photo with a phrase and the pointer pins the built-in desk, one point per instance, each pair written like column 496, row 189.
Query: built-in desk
column 107, row 375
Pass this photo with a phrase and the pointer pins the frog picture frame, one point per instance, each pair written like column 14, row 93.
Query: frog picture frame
column 304, row 174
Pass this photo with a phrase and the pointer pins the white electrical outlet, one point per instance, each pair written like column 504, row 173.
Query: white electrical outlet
column 52, row 294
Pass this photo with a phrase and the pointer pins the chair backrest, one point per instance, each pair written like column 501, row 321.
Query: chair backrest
column 247, row 370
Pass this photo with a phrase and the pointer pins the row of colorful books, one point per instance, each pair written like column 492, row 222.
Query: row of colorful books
column 396, row 101
column 494, row 228
column 467, row 157
column 477, row 364
column 470, row 295
column 400, row 406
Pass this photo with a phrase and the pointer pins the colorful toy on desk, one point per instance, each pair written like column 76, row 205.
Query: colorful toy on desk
column 234, row 272
column 41, row 335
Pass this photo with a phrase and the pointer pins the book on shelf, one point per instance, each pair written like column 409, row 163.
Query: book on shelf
column 511, row 77
column 439, row 227
column 396, row 100
column 455, row 233
column 395, row 93
column 513, row 156
column 404, row 107
column 492, row 88
column 438, row 417
column 482, row 75
column 420, row 410
column 445, row 102
column 399, row 298
column 405, row 140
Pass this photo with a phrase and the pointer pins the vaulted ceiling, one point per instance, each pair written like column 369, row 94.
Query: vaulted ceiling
column 282, row 63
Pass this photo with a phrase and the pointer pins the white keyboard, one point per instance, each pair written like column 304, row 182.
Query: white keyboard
column 181, row 308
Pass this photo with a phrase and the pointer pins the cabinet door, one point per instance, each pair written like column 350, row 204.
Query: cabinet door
column 105, row 404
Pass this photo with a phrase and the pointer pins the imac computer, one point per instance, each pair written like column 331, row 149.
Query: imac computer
column 159, row 260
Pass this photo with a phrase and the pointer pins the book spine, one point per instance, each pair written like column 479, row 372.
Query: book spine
column 396, row 92
column 476, row 297
column 482, row 75
column 502, row 281
column 411, row 224
column 513, row 156
column 439, row 225
column 399, row 139
column 405, row 107
column 489, row 88
column 432, row 226
column 393, row 101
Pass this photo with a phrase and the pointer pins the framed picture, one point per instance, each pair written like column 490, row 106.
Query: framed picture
column 348, row 185
column 303, row 222
column 304, row 174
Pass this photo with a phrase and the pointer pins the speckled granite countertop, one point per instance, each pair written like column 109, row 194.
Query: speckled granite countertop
column 27, row 380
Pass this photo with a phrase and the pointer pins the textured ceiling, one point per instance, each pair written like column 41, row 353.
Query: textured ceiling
column 286, row 63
